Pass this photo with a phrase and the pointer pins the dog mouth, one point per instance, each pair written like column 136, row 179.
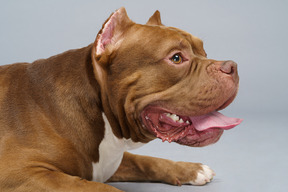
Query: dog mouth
column 187, row 130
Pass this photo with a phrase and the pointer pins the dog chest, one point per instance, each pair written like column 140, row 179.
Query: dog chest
column 111, row 151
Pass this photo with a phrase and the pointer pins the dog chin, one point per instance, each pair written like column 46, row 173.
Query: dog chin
column 201, row 139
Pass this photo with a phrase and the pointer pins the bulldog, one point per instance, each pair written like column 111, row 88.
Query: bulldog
column 66, row 122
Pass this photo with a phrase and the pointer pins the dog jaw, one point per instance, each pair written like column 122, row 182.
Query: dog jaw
column 187, row 130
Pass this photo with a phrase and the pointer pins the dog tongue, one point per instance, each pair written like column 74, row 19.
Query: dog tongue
column 214, row 120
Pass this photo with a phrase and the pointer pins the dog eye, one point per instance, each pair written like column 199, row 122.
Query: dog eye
column 177, row 58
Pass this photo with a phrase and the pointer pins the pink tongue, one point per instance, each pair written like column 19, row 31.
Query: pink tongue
column 214, row 120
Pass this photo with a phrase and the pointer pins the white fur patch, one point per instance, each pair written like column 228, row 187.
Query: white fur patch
column 204, row 176
column 111, row 151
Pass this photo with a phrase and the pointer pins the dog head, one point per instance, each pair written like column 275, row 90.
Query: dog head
column 156, row 81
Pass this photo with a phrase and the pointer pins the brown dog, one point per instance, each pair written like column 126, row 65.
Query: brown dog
column 147, row 81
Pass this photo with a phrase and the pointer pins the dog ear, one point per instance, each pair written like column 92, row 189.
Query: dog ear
column 107, row 40
column 155, row 19
column 112, row 30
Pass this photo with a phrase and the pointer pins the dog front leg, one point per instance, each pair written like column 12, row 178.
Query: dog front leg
column 145, row 168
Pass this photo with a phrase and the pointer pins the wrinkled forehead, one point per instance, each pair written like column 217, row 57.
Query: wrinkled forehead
column 195, row 42
column 165, row 38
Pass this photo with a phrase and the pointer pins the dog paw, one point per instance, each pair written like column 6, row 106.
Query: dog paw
column 204, row 175
column 181, row 173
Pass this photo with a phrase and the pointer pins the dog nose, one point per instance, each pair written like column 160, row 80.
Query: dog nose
column 230, row 68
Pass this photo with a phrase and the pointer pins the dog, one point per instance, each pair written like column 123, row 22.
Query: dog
column 66, row 122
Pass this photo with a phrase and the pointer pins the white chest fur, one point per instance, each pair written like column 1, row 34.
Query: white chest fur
column 111, row 151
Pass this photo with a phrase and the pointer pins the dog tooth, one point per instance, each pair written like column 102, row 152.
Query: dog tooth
column 187, row 122
column 175, row 117
column 168, row 114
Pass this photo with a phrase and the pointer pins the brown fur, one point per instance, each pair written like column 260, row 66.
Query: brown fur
column 51, row 113
column 145, row 168
column 51, row 121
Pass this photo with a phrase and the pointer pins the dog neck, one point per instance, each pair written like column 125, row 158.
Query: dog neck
column 66, row 82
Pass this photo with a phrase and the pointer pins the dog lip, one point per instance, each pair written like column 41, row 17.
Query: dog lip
column 228, row 101
column 159, row 122
column 186, row 134
column 170, row 130
column 155, row 120
column 203, row 138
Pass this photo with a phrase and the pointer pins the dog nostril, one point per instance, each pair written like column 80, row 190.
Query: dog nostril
column 228, row 67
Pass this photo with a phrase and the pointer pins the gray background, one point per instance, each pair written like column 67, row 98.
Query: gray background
column 251, row 157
